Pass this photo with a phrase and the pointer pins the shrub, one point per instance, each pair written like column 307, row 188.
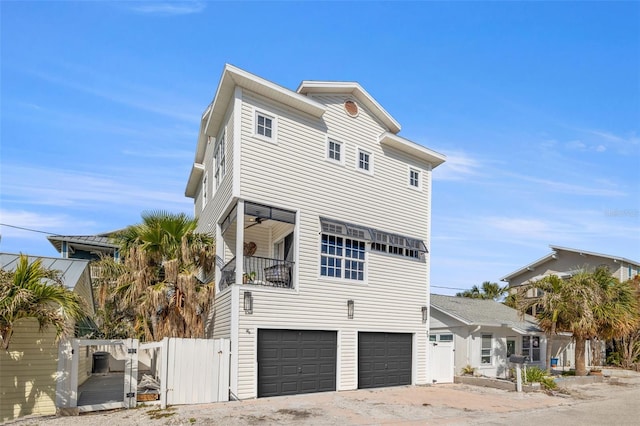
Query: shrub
column 468, row 370
column 535, row 374
column 614, row 358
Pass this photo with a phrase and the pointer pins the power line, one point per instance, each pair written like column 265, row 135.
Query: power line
column 448, row 288
column 27, row 229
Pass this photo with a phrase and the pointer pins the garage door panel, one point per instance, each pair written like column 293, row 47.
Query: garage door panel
column 305, row 361
column 384, row 359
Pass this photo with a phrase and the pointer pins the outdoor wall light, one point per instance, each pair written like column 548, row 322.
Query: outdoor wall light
column 425, row 314
column 350, row 308
column 248, row 302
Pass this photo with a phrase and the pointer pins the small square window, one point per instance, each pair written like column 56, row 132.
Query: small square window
column 335, row 151
column 415, row 180
column 265, row 126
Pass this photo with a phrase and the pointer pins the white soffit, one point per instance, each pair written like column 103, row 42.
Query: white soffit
column 356, row 90
column 413, row 149
column 197, row 170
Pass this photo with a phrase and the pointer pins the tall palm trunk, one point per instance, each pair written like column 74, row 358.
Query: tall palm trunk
column 550, row 346
column 581, row 369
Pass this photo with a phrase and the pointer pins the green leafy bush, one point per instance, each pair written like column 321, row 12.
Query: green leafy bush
column 536, row 375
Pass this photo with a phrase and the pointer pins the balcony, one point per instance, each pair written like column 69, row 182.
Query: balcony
column 261, row 239
column 259, row 271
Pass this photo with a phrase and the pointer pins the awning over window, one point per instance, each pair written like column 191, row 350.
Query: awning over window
column 371, row 235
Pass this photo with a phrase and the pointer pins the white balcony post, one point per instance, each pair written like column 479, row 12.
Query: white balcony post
column 240, row 242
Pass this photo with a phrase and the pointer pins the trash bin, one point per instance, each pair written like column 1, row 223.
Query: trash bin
column 100, row 362
column 554, row 362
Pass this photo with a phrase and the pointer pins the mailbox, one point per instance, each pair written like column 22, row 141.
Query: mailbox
column 517, row 359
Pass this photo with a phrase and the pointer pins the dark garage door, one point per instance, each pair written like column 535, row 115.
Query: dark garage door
column 384, row 359
column 296, row 361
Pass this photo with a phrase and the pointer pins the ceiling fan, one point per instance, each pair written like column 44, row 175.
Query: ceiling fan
column 256, row 221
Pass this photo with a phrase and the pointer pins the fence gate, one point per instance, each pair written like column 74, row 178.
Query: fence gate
column 190, row 371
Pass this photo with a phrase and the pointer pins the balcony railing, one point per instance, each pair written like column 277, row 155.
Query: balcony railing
column 259, row 271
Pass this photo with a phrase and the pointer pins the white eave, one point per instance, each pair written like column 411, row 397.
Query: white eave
column 194, row 180
column 412, row 148
column 232, row 76
column 354, row 89
column 553, row 255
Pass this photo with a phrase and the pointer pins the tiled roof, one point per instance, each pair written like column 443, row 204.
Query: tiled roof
column 483, row 312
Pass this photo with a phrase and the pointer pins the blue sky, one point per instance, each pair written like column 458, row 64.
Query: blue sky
column 536, row 105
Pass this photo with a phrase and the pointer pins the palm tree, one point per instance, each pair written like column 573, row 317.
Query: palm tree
column 488, row 291
column 590, row 305
column 33, row 291
column 159, row 283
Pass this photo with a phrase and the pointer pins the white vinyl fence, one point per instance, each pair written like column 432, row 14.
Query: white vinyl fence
column 190, row 371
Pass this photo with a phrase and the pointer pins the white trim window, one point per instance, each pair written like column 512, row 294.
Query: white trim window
column 265, row 126
column 531, row 347
column 342, row 257
column 486, row 349
column 415, row 178
column 364, row 161
column 205, row 190
column 335, row 151
column 220, row 160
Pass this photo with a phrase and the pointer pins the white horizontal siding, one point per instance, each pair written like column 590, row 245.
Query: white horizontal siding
column 293, row 173
column 219, row 197
column 222, row 322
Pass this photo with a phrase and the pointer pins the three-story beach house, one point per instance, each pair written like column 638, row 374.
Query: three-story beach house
column 321, row 214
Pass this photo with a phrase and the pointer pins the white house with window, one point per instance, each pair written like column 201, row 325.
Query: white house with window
column 481, row 334
column 321, row 214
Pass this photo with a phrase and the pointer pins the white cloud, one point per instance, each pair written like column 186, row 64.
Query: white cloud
column 168, row 8
column 142, row 98
column 570, row 188
column 459, row 166
column 77, row 189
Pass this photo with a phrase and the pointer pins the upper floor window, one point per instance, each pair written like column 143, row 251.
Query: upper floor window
column 342, row 258
column 415, row 178
column 205, row 190
column 335, row 151
column 487, row 349
column 265, row 126
column 220, row 159
column 364, row 161
column 531, row 347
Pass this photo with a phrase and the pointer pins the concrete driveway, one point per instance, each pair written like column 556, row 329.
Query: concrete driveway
column 408, row 405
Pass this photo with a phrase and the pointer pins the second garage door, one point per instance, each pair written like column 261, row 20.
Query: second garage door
column 384, row 359
column 296, row 361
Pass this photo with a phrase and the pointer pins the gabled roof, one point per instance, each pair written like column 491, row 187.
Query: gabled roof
column 71, row 269
column 354, row 89
column 90, row 243
column 554, row 254
column 488, row 313
column 214, row 114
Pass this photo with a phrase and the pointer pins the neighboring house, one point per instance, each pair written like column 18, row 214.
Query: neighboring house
column 321, row 214
column 481, row 334
column 565, row 262
column 89, row 247
column 28, row 370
